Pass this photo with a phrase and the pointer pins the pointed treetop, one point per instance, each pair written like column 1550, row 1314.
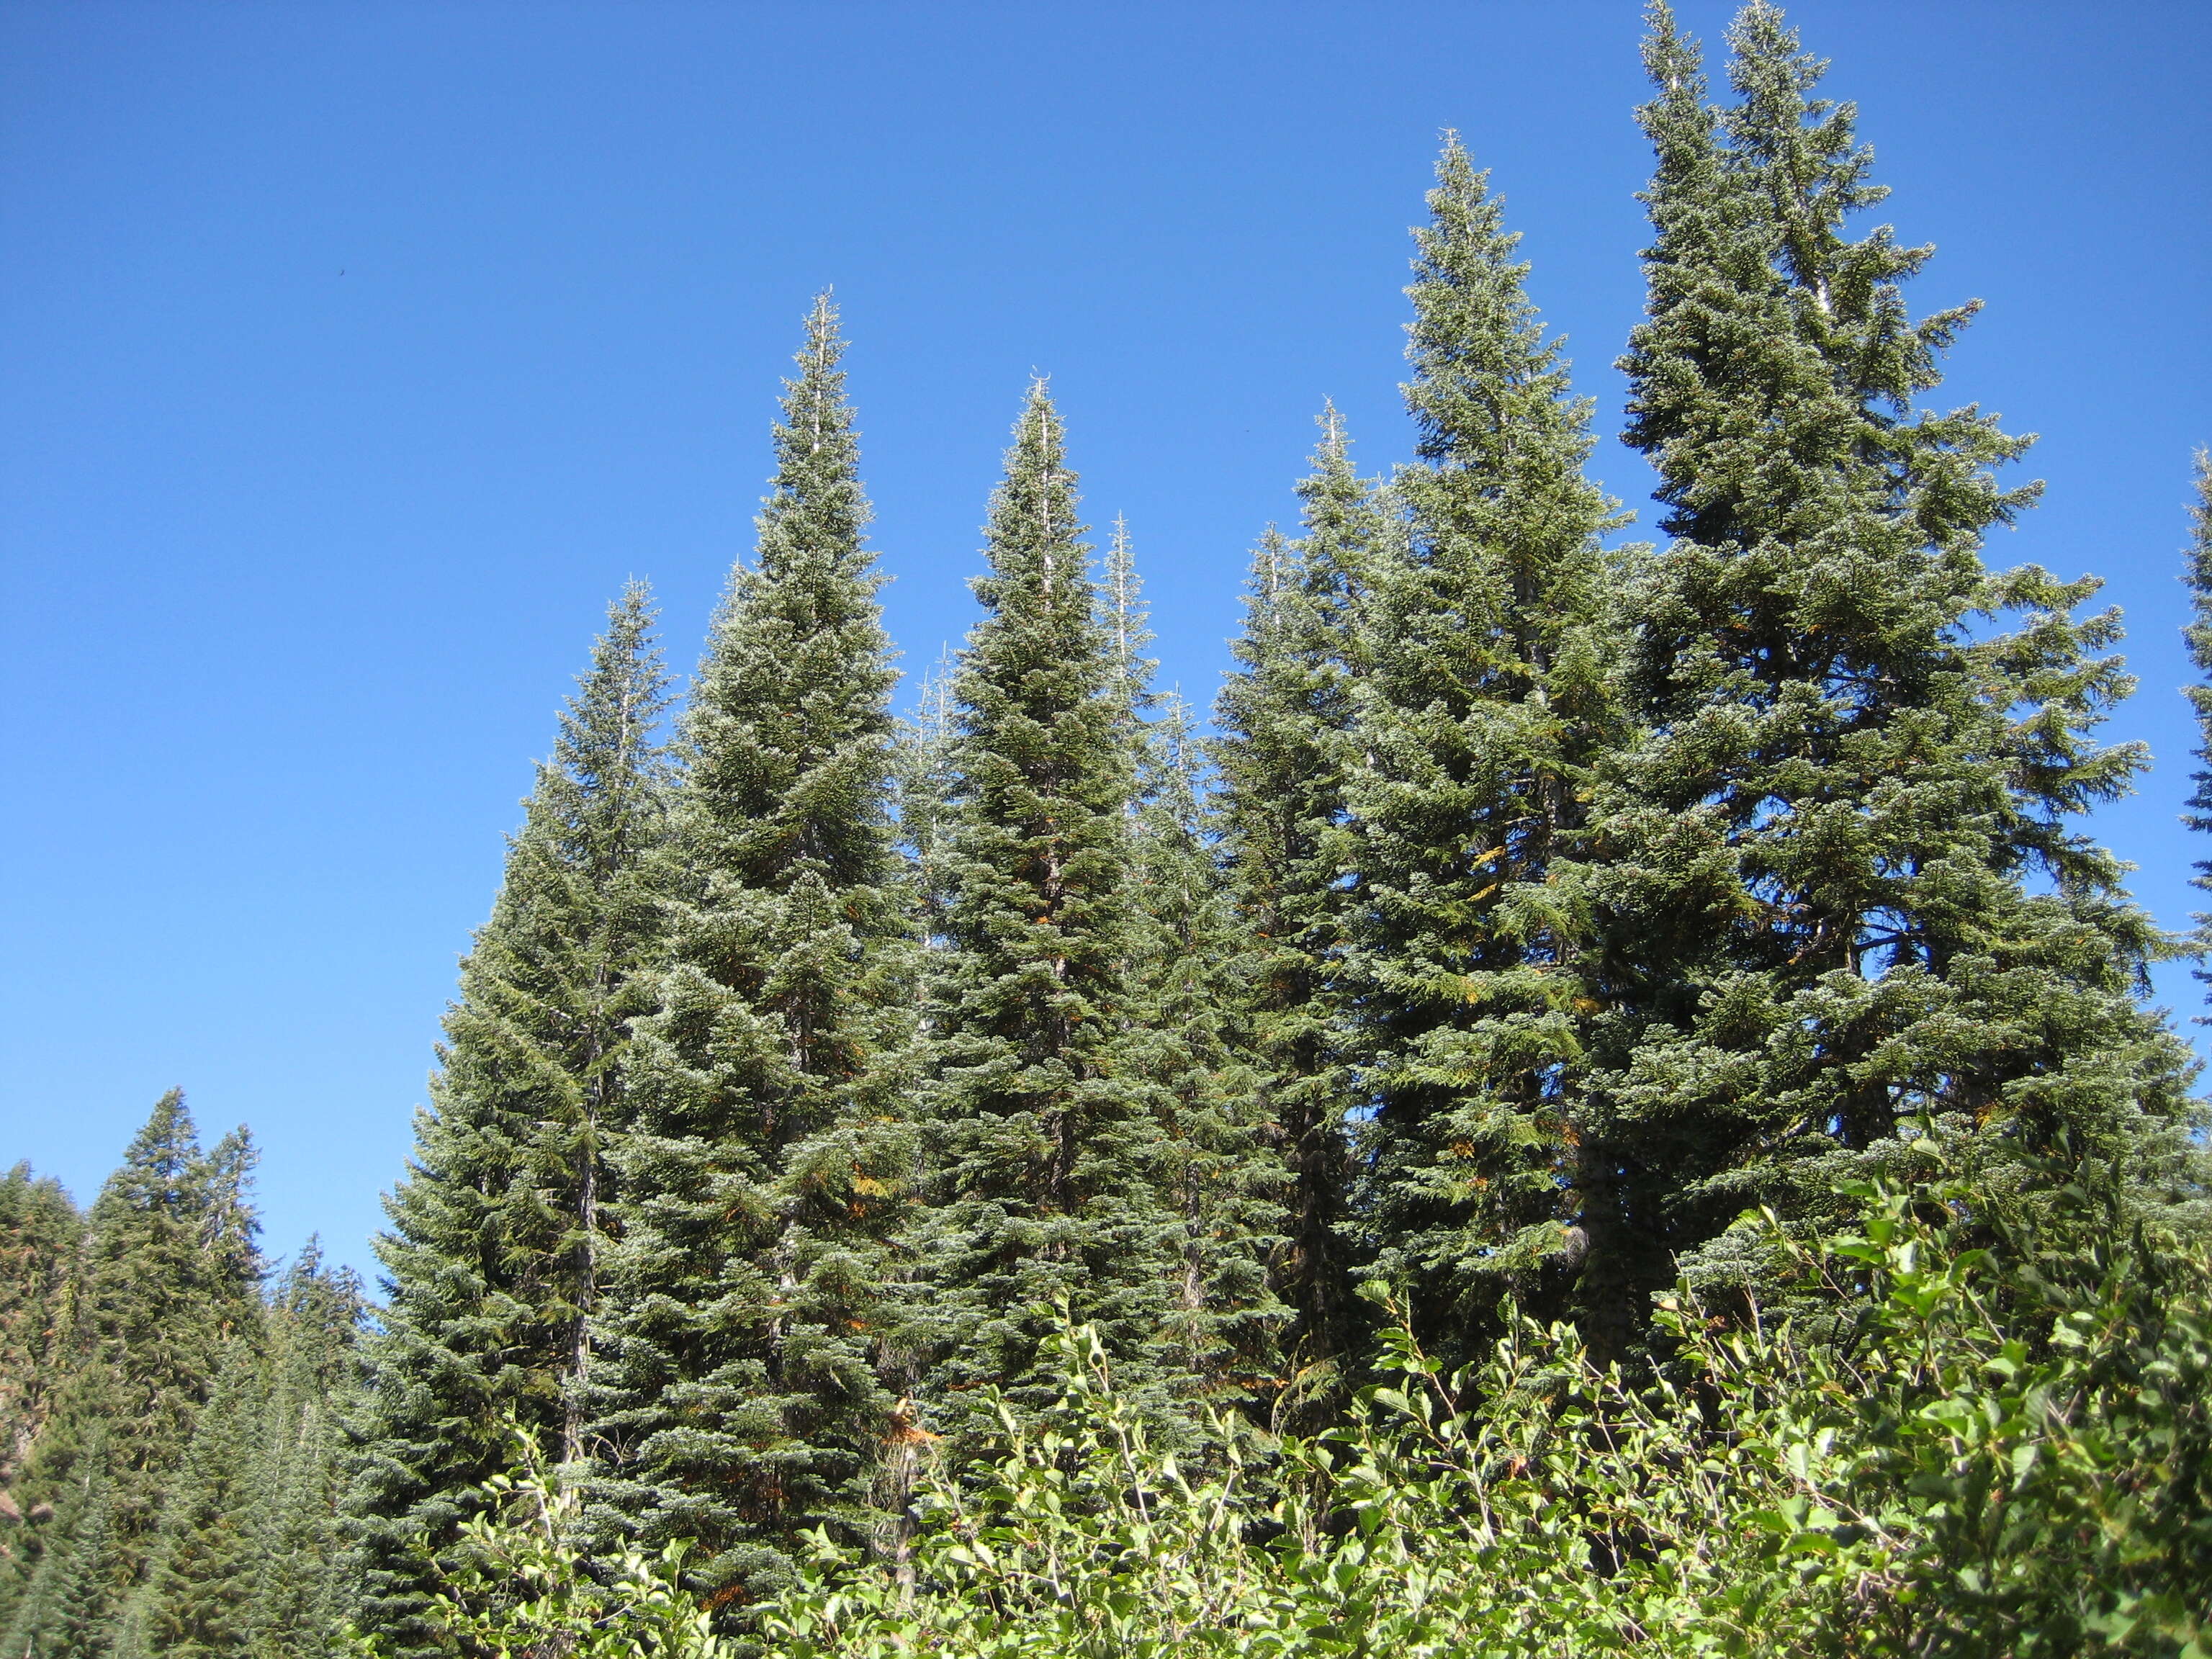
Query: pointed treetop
column 815, row 509
column 162, row 1161
column 1333, row 440
column 619, row 696
column 1289, row 575
column 933, row 706
column 1680, row 125
column 1332, row 489
column 2199, row 574
column 1033, row 530
column 1770, row 68
column 797, row 669
column 1481, row 363
column 1124, row 591
column 598, row 795
column 1818, row 172
column 1673, row 59
column 232, row 1225
column 815, row 398
column 1126, row 617
column 1269, row 555
column 822, row 345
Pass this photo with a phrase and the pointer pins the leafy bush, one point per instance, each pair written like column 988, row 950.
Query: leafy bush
column 516, row 1585
column 1994, row 1448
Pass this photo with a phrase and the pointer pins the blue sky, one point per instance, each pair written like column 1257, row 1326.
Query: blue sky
column 352, row 356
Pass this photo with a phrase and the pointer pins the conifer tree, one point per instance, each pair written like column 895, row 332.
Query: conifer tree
column 1126, row 620
column 67, row 1610
column 1823, row 861
column 1482, row 707
column 497, row 1237
column 1282, row 754
column 1043, row 1151
column 1218, row 1174
column 924, row 781
column 198, row 1601
column 41, row 1234
column 249, row 1557
column 2198, row 573
column 741, row 1402
column 171, row 1276
column 300, row 1589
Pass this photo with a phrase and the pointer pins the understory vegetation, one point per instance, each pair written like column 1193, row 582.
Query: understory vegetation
column 1940, row 1448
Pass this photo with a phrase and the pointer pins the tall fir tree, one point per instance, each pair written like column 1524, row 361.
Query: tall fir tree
column 1484, row 704
column 742, row 1400
column 67, row 1610
column 924, row 774
column 197, row 1600
column 41, row 1241
column 2196, row 572
column 1846, row 888
column 1126, row 620
column 171, row 1277
column 1220, row 1172
column 1283, row 718
column 1042, row 1150
column 249, row 1559
column 498, row 1234
column 302, row 1595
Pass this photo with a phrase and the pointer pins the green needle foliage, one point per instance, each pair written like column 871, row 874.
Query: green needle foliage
column 924, row 778
column 171, row 1277
column 1126, row 619
column 1484, row 704
column 2198, row 574
column 741, row 1400
column 301, row 1589
column 1844, row 884
column 200, row 1585
column 41, row 1234
column 1044, row 1154
column 250, row 1555
column 498, row 1232
column 66, row 1611
column 1281, row 757
column 1218, row 1173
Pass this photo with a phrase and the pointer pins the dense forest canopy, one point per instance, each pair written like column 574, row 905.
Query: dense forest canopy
column 1606, row 1101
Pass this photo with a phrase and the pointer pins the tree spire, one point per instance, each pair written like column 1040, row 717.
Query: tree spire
column 1043, row 1177
column 739, row 1402
column 1483, row 707
column 169, row 1277
column 498, row 1239
column 1285, row 716
column 1820, row 858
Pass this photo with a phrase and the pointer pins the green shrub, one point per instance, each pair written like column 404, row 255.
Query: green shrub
column 515, row 1585
column 1994, row 1447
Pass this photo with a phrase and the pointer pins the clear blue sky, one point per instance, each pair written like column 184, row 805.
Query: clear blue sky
column 351, row 356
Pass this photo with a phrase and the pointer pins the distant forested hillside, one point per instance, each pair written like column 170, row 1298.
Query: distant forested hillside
column 171, row 1454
